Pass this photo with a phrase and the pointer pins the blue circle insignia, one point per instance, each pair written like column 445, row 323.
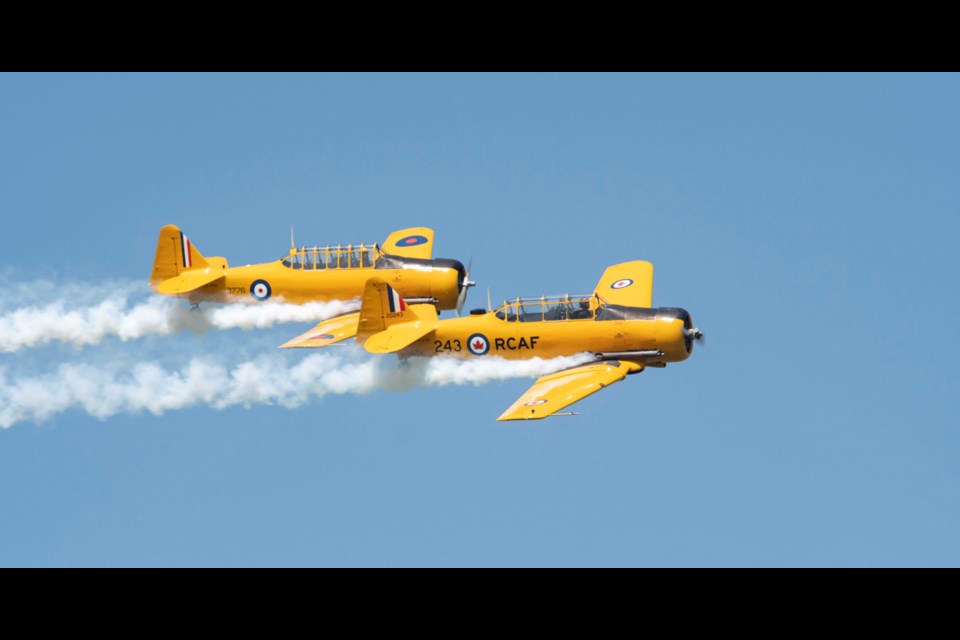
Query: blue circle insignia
column 260, row 290
column 478, row 344
column 411, row 241
column 622, row 284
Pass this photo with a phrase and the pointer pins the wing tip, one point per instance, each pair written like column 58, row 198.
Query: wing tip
column 508, row 416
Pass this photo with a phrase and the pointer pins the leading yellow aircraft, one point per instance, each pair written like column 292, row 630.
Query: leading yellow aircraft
column 308, row 274
column 615, row 324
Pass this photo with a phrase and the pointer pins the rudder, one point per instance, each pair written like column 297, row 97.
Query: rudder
column 387, row 323
column 381, row 307
column 175, row 254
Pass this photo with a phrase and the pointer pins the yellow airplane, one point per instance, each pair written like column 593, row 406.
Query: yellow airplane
column 615, row 324
column 308, row 274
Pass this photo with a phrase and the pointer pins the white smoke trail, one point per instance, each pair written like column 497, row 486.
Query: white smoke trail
column 114, row 316
column 443, row 371
column 16, row 292
column 272, row 380
column 266, row 314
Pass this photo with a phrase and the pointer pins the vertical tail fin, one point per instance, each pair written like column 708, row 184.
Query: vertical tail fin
column 175, row 254
column 381, row 307
column 387, row 323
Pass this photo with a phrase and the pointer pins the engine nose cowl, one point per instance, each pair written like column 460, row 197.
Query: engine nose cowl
column 691, row 334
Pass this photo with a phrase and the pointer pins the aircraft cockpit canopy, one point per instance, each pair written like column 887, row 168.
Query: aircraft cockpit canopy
column 550, row 308
column 348, row 256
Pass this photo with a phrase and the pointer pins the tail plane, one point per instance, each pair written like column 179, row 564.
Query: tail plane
column 387, row 323
column 179, row 267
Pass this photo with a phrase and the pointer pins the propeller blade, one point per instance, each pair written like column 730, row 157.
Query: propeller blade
column 465, row 286
column 696, row 335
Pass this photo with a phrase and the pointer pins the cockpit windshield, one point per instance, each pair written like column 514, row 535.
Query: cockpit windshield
column 550, row 308
column 350, row 256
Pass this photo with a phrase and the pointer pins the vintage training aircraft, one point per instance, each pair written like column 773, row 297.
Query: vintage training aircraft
column 308, row 274
column 615, row 323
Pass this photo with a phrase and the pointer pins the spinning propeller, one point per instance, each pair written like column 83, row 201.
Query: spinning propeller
column 464, row 286
column 696, row 335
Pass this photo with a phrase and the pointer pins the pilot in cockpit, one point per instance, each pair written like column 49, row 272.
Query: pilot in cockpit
column 582, row 312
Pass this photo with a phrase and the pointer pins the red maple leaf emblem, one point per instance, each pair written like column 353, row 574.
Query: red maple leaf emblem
column 478, row 344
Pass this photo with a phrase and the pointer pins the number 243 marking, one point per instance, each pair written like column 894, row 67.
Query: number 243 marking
column 446, row 346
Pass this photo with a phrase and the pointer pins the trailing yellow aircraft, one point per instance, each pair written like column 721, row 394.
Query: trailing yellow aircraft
column 615, row 324
column 308, row 274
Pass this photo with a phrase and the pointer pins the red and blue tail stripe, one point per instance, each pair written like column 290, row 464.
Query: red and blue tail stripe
column 396, row 302
column 185, row 246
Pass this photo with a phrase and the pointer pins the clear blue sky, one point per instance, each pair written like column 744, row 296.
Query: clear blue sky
column 806, row 221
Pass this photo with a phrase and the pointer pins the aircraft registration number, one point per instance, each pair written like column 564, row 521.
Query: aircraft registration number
column 449, row 345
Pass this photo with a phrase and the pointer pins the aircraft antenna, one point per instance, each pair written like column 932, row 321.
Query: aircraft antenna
column 489, row 304
column 293, row 245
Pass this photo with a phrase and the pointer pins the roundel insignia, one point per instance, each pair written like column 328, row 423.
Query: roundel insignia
column 535, row 402
column 622, row 284
column 478, row 344
column 324, row 336
column 260, row 290
column 412, row 241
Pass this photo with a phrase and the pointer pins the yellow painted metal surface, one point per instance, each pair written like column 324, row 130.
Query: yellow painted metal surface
column 327, row 332
column 622, row 336
column 387, row 324
column 628, row 283
column 314, row 274
column 398, row 336
column 415, row 242
column 487, row 335
column 190, row 281
column 559, row 390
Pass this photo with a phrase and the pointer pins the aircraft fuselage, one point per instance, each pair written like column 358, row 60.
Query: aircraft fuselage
column 437, row 279
column 659, row 331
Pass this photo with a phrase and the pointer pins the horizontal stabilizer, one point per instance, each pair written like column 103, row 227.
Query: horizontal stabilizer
column 397, row 336
column 559, row 390
column 327, row 332
column 190, row 281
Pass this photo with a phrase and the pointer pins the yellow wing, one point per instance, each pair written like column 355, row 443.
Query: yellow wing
column 190, row 281
column 628, row 283
column 327, row 332
column 553, row 392
column 415, row 242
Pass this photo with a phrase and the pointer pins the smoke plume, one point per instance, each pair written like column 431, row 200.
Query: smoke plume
column 104, row 391
column 117, row 316
column 181, row 372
